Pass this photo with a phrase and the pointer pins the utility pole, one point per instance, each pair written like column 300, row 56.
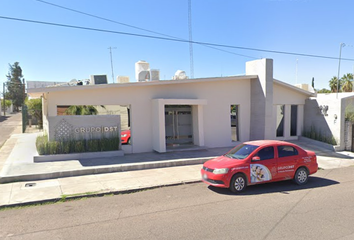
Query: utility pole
column 191, row 62
column 110, row 52
column 340, row 55
column 3, row 92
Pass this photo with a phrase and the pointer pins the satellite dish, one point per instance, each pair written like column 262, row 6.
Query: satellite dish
column 180, row 75
column 73, row 82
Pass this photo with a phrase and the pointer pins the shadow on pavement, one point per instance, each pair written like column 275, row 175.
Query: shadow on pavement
column 3, row 118
column 284, row 187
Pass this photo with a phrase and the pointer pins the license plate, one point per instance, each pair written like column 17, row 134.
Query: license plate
column 205, row 176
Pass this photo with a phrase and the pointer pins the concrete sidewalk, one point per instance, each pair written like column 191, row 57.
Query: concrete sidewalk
column 79, row 177
column 17, row 161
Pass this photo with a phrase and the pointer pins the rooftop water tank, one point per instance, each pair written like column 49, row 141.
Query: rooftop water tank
column 139, row 67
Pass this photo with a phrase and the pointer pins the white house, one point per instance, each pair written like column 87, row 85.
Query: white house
column 204, row 112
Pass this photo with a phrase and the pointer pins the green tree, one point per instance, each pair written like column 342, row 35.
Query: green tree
column 333, row 84
column 35, row 109
column 15, row 86
column 5, row 104
column 347, row 82
column 81, row 110
column 323, row 90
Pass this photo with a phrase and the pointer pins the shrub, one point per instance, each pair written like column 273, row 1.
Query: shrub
column 35, row 109
column 71, row 145
column 315, row 134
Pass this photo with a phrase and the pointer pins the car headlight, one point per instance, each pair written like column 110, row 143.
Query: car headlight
column 220, row 170
column 123, row 135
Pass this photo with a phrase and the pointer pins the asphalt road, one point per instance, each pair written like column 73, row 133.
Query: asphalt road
column 323, row 209
column 8, row 124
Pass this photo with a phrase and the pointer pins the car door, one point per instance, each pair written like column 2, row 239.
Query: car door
column 287, row 159
column 263, row 166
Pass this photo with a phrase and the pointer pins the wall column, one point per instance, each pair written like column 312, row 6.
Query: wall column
column 158, row 125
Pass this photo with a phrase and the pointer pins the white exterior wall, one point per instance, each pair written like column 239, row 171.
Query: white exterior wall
column 45, row 114
column 328, row 125
column 219, row 95
column 261, row 98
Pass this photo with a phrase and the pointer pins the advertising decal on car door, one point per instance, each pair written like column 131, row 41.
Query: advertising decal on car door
column 260, row 173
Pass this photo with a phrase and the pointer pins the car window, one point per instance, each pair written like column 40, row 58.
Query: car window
column 286, row 151
column 266, row 153
column 241, row 151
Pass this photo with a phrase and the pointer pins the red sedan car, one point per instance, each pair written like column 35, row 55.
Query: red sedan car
column 258, row 162
column 125, row 137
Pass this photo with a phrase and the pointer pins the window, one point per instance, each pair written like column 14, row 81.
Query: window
column 241, row 151
column 266, row 153
column 293, row 121
column 286, row 151
column 280, row 120
column 234, row 123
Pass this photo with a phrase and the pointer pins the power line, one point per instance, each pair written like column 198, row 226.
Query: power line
column 135, row 27
column 191, row 61
column 175, row 40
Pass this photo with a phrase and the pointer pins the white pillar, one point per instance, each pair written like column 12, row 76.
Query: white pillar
column 287, row 119
column 158, row 125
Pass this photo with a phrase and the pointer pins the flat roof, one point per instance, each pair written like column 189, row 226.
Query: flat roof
column 37, row 92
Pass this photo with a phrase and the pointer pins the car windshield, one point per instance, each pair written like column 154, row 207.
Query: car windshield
column 241, row 151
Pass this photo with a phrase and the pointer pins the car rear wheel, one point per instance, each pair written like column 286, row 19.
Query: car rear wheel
column 238, row 183
column 301, row 176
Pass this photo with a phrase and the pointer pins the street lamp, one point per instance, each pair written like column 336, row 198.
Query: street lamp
column 340, row 55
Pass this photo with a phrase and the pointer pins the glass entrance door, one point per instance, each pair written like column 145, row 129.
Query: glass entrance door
column 178, row 125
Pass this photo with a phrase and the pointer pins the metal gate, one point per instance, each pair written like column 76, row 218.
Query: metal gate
column 24, row 118
column 178, row 125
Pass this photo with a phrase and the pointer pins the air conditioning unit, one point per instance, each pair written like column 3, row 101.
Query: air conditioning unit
column 123, row 79
column 155, row 74
column 141, row 69
column 98, row 79
column 144, row 76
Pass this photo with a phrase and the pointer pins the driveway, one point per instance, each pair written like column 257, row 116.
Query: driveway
column 9, row 124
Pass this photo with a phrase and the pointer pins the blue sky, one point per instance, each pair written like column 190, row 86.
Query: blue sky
column 50, row 53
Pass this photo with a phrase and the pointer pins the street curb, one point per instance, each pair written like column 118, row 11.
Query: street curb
column 73, row 156
column 100, row 194
column 110, row 169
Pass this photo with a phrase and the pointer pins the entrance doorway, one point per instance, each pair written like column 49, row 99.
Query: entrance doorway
column 178, row 125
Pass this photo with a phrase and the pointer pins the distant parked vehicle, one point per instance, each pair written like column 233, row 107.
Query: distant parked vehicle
column 125, row 137
column 257, row 162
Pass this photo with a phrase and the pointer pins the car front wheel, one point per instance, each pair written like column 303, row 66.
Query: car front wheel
column 238, row 183
column 301, row 176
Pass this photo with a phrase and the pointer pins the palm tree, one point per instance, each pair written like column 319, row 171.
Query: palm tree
column 347, row 82
column 333, row 84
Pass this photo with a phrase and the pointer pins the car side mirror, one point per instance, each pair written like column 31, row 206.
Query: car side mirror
column 256, row 158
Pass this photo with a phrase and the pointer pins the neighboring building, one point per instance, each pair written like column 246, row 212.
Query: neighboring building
column 42, row 84
column 205, row 112
column 325, row 117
